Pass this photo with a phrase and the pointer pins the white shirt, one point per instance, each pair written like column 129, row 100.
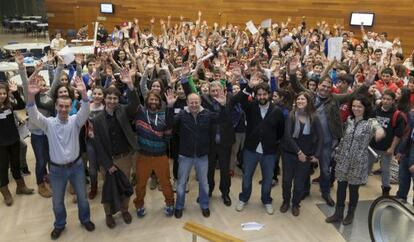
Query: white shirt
column 63, row 136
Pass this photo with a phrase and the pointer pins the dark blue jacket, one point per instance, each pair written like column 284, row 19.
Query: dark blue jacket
column 195, row 133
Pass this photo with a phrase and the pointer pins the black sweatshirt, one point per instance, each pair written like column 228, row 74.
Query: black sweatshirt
column 9, row 134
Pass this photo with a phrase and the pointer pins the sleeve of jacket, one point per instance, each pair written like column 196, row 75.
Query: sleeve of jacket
column 133, row 103
column 287, row 138
column 319, row 134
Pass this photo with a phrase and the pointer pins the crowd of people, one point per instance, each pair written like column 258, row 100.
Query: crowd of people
column 212, row 97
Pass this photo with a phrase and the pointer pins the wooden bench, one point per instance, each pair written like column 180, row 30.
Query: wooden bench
column 209, row 234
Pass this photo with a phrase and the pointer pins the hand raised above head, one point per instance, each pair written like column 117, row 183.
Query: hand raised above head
column 170, row 97
column 19, row 58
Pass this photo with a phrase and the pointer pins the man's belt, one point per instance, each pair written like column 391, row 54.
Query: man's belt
column 66, row 165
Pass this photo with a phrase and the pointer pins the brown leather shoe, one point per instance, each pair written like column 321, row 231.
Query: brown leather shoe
column 295, row 211
column 284, row 208
column 127, row 217
column 22, row 188
column 110, row 221
column 44, row 191
column 93, row 191
column 8, row 199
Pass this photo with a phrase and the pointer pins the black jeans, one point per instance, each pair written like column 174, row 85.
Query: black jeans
column 9, row 155
column 341, row 194
column 222, row 155
column 294, row 171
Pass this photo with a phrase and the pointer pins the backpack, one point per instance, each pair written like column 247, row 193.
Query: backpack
column 406, row 132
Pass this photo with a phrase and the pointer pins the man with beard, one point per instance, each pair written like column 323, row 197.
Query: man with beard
column 154, row 128
column 114, row 139
column 265, row 125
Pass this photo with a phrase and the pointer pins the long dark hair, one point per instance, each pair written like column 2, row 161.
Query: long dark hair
column 310, row 107
column 70, row 92
column 404, row 104
column 365, row 102
column 6, row 102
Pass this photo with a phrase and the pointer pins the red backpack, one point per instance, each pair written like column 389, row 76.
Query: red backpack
column 406, row 132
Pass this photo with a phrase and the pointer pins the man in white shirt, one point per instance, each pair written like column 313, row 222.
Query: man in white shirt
column 66, row 164
column 58, row 42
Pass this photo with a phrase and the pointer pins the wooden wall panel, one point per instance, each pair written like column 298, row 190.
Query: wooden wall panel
column 391, row 16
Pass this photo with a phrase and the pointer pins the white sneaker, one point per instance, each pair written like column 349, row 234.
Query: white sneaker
column 269, row 208
column 240, row 206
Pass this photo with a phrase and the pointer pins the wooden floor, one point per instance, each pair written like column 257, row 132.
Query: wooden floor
column 31, row 217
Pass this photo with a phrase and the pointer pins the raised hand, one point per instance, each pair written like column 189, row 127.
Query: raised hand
column 126, row 78
column 19, row 58
column 34, row 85
column 79, row 59
column 293, row 65
column 254, row 80
column 39, row 66
column 80, row 86
column 185, row 70
column 12, row 86
column 170, row 97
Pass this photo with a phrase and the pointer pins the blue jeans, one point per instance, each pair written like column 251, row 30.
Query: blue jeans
column 184, row 168
column 404, row 177
column 59, row 177
column 267, row 165
column 40, row 147
column 93, row 162
column 325, row 166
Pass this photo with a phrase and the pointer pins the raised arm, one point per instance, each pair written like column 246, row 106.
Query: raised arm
column 83, row 114
column 34, row 115
column 133, row 100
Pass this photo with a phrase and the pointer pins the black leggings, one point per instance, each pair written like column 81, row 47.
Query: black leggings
column 9, row 154
column 341, row 194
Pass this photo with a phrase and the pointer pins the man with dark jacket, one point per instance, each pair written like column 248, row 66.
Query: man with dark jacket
column 114, row 139
column 265, row 125
column 194, row 126
column 222, row 138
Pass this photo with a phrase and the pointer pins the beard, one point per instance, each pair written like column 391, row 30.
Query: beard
column 263, row 101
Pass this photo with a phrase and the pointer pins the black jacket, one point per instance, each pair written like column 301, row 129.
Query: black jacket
column 115, row 189
column 268, row 130
column 124, row 114
column 195, row 133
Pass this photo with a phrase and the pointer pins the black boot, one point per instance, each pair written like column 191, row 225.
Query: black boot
column 349, row 216
column 386, row 191
column 337, row 216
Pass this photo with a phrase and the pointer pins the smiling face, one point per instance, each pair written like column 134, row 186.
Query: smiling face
column 358, row 109
column 97, row 96
column 63, row 106
column 3, row 96
column 156, row 87
column 193, row 103
column 301, row 102
column 153, row 102
column 324, row 88
column 111, row 102
column 262, row 96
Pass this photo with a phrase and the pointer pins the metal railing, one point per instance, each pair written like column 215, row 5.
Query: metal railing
column 376, row 211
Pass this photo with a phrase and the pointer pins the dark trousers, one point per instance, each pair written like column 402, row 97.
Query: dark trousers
column 9, row 156
column 222, row 155
column 294, row 171
column 276, row 171
column 404, row 177
column 40, row 147
column 341, row 194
